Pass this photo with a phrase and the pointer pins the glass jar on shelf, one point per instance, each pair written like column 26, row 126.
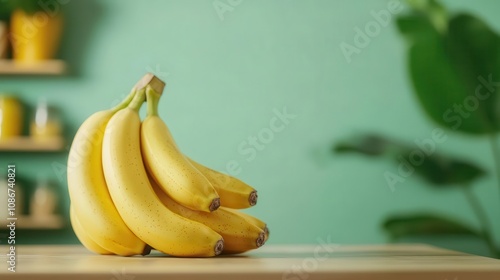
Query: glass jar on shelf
column 43, row 203
column 11, row 117
column 46, row 124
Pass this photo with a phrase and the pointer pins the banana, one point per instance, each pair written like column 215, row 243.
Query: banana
column 84, row 238
column 254, row 220
column 168, row 166
column 239, row 234
column 89, row 193
column 233, row 192
column 134, row 196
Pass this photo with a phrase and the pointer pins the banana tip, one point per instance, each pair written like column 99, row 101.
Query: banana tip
column 261, row 239
column 267, row 232
column 214, row 205
column 147, row 250
column 252, row 199
column 219, row 247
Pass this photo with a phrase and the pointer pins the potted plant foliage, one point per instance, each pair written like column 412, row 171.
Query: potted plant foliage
column 454, row 67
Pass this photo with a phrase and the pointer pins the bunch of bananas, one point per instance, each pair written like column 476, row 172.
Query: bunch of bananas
column 132, row 190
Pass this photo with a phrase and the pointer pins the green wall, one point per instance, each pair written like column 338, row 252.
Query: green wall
column 225, row 81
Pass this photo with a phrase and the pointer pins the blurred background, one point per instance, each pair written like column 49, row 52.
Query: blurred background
column 343, row 79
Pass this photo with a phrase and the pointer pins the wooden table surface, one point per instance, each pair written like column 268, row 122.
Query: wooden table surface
column 375, row 262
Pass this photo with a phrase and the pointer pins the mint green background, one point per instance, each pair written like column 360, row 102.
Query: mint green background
column 224, row 80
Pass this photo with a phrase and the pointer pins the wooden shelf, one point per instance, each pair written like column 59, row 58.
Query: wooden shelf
column 48, row 67
column 28, row 144
column 30, row 222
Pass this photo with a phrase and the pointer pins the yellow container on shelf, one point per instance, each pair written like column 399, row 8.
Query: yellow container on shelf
column 11, row 117
column 35, row 36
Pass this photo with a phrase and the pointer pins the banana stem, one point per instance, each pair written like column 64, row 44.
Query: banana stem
column 125, row 102
column 138, row 100
column 153, row 99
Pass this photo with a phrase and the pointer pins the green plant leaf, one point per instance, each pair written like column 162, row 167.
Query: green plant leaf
column 436, row 83
column 371, row 145
column 398, row 226
column 474, row 50
column 415, row 28
column 444, row 171
column 436, row 12
column 435, row 168
column 444, row 69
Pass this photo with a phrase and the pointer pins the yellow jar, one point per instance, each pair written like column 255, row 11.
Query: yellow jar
column 11, row 117
column 35, row 36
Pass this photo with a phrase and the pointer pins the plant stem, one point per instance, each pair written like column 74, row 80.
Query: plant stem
column 483, row 219
column 496, row 157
